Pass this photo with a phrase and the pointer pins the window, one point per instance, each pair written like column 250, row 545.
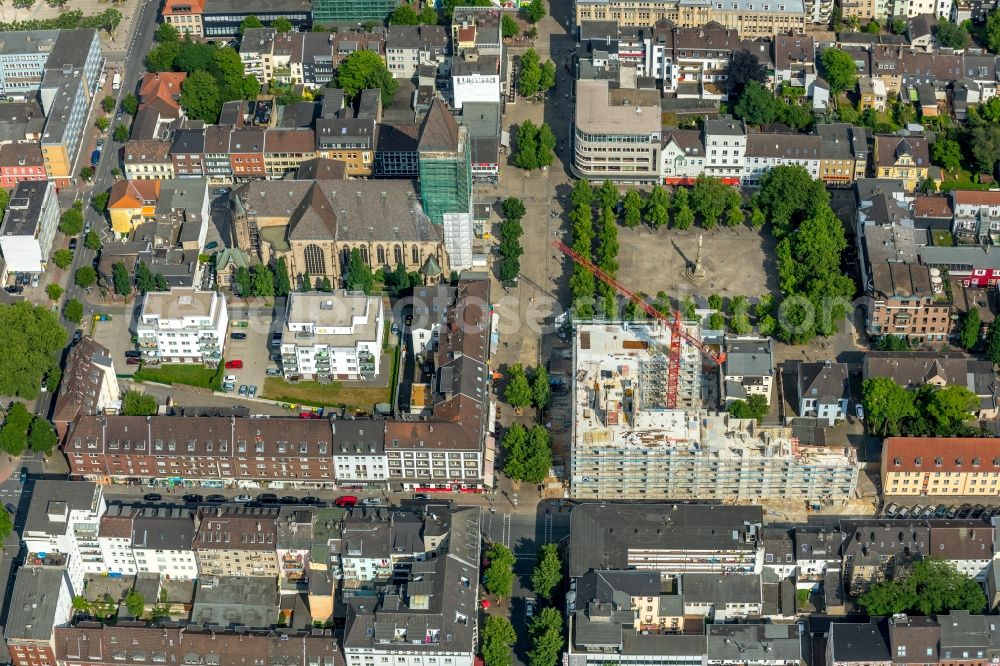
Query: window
column 315, row 262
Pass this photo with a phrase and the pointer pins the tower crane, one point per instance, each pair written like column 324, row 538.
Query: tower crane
column 677, row 332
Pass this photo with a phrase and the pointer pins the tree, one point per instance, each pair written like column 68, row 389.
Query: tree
column 429, row 15
column 102, row 123
column 250, row 22
column 510, row 250
column 263, row 281
column 757, row 218
column 200, row 96
column 632, row 209
column 541, row 392
column 546, row 145
column 85, row 277
column 788, row 194
column 546, row 631
column 121, row 279
column 130, row 104
column 282, row 25
column 715, row 302
column 530, row 77
column 947, row 154
column 985, row 147
column 73, row 311
column 509, row 27
column 231, row 76
column 757, row 105
column 282, row 284
column 526, row 156
column 161, row 58
column 135, row 403
column 499, row 576
column 92, row 241
column 754, row 407
column 968, row 333
column 951, row 35
column 582, row 195
column 109, row 103
column 404, row 15
column 873, row 27
column 932, row 586
column 538, row 455
column 86, row 174
column 993, row 31
column 135, row 604
column 359, row 276
column 513, row 208
column 547, row 574
column 99, row 202
column 6, row 524
column 534, row 11
column 362, row 70
column 515, row 446
column 144, row 280
column 710, row 198
column 14, row 432
column 54, row 291
column 716, row 321
column 120, row 134
column 993, row 343
column 548, row 76
column 607, row 195
column 243, row 281
column 892, row 343
column 518, row 392
column 71, row 221
column 743, row 68
column 62, row 258
column 42, row 437
column 498, row 638
column 839, row 69
column 887, row 405
column 165, row 32
column 161, row 282
column 656, row 207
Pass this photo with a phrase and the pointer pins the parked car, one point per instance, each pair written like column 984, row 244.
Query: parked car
column 133, row 353
column 35, row 280
column 289, row 499
column 24, row 475
column 529, row 608
column 421, row 496
column 927, row 513
column 346, row 501
column 235, row 364
column 891, row 510
column 903, row 512
column 242, row 498
column 153, row 497
column 229, row 379
column 243, row 389
column 14, row 289
column 310, row 499
column 237, row 336
column 964, row 510
column 193, row 498
column 859, row 411
column 308, row 415
column 72, row 243
column 977, row 511
column 952, row 512
column 215, row 499
column 220, row 190
column 273, row 372
column 267, row 498
column 132, row 361
column 212, row 245
column 940, row 510
column 253, row 391
column 77, row 334
column 371, row 501
column 916, row 511
column 228, row 386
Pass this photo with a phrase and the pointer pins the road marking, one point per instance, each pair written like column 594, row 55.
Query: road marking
column 547, row 534
column 505, row 533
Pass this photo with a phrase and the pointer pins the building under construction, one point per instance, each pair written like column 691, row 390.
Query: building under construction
column 627, row 444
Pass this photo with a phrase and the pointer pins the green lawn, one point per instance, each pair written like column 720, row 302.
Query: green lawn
column 191, row 374
column 942, row 238
column 334, row 394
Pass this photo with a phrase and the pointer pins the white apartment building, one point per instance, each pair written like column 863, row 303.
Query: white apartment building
column 725, row 147
column 476, row 78
column 29, row 226
column 162, row 543
column 976, row 214
column 430, row 306
column 683, row 157
column 767, row 151
column 748, row 369
column 63, row 521
column 183, row 325
column 115, row 540
column 336, row 335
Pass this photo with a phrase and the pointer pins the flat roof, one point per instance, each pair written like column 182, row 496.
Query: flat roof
column 601, row 109
column 25, row 208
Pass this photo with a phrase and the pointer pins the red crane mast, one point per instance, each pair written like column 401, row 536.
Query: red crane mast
column 677, row 331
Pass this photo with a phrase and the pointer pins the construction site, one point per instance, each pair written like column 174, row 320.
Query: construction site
column 635, row 437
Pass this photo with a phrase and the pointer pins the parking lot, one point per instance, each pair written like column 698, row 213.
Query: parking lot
column 257, row 324
column 116, row 335
column 914, row 508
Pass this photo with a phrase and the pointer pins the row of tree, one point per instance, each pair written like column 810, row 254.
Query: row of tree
column 510, row 240
column 535, row 146
column 527, row 453
column 535, row 76
column 891, row 409
column 930, row 587
column 23, row 429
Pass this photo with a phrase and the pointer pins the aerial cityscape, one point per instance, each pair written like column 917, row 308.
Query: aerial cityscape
column 499, row 333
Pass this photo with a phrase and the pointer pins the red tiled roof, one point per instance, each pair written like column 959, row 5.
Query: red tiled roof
column 988, row 198
column 941, row 454
column 162, row 85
